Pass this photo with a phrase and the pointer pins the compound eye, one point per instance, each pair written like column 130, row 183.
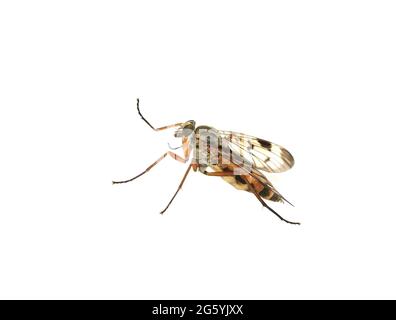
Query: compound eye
column 187, row 132
column 183, row 132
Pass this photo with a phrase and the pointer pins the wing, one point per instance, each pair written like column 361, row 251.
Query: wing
column 264, row 155
column 234, row 170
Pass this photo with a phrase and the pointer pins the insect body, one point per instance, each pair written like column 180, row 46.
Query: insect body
column 237, row 158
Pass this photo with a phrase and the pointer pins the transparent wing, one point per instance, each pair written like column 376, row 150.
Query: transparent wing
column 264, row 155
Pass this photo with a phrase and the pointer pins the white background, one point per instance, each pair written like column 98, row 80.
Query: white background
column 317, row 77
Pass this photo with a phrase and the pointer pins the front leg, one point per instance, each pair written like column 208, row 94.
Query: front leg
column 186, row 151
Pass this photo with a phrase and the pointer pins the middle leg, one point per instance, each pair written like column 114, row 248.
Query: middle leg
column 178, row 189
column 170, row 153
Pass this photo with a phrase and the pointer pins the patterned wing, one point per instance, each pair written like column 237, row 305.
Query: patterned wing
column 264, row 155
column 234, row 170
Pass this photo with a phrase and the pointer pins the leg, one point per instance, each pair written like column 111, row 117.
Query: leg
column 252, row 189
column 186, row 150
column 177, row 157
column 147, row 170
column 170, row 153
column 218, row 173
column 155, row 129
column 180, row 186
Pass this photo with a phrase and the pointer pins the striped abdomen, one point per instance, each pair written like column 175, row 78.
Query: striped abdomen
column 258, row 181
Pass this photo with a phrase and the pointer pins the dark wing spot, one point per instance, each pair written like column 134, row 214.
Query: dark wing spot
column 240, row 180
column 265, row 143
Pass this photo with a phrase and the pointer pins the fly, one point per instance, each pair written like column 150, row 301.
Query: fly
column 237, row 158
